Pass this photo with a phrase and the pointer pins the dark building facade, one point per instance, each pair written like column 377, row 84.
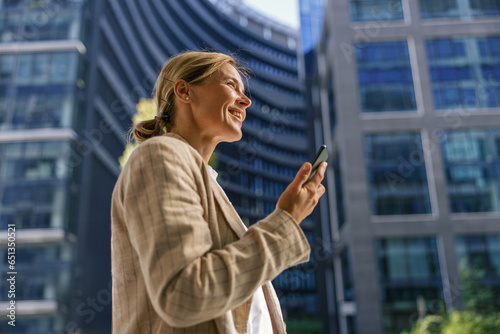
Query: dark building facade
column 71, row 74
column 408, row 93
column 311, row 26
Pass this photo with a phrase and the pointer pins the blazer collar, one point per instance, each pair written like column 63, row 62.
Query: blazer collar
column 232, row 217
column 225, row 205
column 175, row 135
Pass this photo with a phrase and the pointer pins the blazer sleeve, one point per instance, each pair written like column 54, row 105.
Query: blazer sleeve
column 187, row 282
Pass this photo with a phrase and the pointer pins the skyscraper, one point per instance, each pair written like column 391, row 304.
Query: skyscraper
column 41, row 94
column 71, row 73
column 408, row 93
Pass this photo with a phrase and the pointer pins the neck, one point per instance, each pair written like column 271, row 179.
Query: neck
column 201, row 144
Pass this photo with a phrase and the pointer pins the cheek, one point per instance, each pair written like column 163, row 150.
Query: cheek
column 211, row 116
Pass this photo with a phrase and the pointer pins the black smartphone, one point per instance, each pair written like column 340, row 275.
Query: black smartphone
column 321, row 155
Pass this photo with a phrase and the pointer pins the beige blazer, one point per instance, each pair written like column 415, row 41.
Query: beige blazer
column 182, row 261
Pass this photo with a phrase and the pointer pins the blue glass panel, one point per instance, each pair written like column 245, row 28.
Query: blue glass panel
column 408, row 270
column 445, row 48
column 26, row 220
column 450, row 8
column 484, row 7
column 339, row 192
column 472, row 168
column 491, row 73
column 493, row 97
column 450, row 73
column 461, row 79
column 376, row 10
column 385, row 77
column 40, row 22
column 397, row 175
column 347, row 278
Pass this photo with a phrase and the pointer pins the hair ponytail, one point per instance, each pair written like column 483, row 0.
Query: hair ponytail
column 149, row 128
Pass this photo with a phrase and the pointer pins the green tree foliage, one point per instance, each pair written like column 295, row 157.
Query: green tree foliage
column 479, row 316
column 458, row 323
column 146, row 109
column 472, row 323
column 476, row 297
column 303, row 326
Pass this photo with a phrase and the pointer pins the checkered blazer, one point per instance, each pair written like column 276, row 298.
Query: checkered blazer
column 182, row 261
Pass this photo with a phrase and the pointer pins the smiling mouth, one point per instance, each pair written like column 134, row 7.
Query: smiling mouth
column 237, row 114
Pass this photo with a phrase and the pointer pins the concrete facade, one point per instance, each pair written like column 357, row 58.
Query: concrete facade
column 337, row 62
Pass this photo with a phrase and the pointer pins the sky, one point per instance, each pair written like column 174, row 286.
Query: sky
column 284, row 11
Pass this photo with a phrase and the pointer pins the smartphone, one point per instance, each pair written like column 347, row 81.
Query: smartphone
column 321, row 155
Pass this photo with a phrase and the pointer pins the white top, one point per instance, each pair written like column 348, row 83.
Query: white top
column 259, row 320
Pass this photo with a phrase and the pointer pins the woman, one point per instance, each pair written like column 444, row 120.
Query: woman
column 183, row 262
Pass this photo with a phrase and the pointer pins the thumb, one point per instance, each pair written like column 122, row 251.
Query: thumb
column 302, row 174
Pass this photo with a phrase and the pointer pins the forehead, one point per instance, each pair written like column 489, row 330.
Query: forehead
column 229, row 71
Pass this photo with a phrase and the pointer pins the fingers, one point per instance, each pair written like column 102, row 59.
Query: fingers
column 321, row 191
column 302, row 175
column 318, row 177
column 298, row 200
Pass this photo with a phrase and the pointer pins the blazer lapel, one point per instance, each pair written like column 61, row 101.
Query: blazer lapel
column 225, row 205
column 273, row 305
column 225, row 323
column 227, row 209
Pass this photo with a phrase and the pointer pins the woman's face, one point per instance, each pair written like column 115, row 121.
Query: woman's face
column 219, row 105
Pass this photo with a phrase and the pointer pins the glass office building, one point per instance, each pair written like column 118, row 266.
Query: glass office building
column 41, row 92
column 408, row 92
column 71, row 74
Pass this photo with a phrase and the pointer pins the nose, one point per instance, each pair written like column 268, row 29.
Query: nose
column 244, row 101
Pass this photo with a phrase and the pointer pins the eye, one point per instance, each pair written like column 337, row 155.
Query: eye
column 231, row 83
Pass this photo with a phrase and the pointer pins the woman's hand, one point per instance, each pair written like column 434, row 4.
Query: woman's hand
column 298, row 200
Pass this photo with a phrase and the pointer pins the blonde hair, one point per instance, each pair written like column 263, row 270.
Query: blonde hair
column 191, row 66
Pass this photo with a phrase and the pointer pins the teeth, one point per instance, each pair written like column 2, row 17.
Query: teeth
column 236, row 113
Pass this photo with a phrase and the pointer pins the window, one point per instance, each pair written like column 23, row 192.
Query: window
column 24, row 195
column 39, row 110
column 465, row 72
column 33, row 161
column 311, row 23
column 34, row 256
column 62, row 68
column 50, row 21
column 396, row 174
column 347, row 278
column 6, row 65
column 408, row 271
column 352, row 327
column 24, row 69
column 34, row 180
column 3, row 105
column 385, row 78
column 472, row 166
column 457, row 8
column 46, row 68
column 376, row 10
column 26, row 219
column 339, row 192
column 43, row 90
column 296, row 278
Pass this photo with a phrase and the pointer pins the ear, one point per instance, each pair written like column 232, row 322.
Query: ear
column 181, row 90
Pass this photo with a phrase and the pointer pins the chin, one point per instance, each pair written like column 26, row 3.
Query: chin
column 234, row 137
